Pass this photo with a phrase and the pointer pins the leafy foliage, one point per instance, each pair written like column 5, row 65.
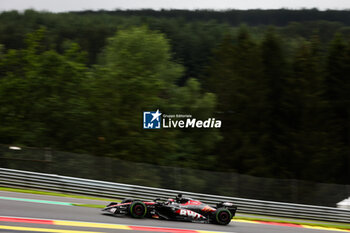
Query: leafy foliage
column 79, row 82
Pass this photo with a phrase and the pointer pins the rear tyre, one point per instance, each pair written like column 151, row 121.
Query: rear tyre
column 223, row 216
column 138, row 209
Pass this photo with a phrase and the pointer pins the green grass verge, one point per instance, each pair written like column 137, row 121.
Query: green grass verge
column 90, row 205
column 55, row 194
column 344, row 226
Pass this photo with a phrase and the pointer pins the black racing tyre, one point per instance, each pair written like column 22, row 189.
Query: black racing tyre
column 223, row 216
column 126, row 200
column 137, row 209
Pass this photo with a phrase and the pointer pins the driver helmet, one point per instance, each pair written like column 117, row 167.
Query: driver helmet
column 179, row 197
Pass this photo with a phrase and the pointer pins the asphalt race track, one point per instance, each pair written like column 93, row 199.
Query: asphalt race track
column 63, row 213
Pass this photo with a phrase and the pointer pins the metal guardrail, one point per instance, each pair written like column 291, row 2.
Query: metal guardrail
column 19, row 178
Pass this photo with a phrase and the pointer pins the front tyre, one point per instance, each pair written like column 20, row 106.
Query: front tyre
column 223, row 216
column 137, row 209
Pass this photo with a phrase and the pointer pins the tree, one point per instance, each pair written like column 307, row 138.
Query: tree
column 308, row 132
column 195, row 146
column 42, row 97
column 136, row 75
column 235, row 76
column 274, row 118
column 337, row 93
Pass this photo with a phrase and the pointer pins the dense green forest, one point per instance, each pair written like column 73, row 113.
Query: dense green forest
column 278, row 80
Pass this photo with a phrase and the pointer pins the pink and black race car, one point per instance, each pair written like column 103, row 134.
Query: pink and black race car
column 181, row 208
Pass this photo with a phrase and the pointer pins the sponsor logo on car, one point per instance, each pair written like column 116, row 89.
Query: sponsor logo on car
column 188, row 213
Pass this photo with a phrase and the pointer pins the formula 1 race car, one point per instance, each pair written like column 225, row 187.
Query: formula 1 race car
column 182, row 208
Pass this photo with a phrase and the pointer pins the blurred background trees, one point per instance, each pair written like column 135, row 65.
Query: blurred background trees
column 80, row 81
